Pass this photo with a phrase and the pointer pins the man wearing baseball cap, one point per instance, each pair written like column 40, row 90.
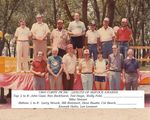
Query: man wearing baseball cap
column 107, row 36
column 124, row 36
column 60, row 38
column 86, row 67
column 39, row 32
column 91, row 38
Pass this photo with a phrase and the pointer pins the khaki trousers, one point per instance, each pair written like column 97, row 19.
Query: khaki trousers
column 40, row 46
column 22, row 50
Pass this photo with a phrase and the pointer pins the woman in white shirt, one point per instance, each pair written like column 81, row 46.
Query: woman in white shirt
column 100, row 71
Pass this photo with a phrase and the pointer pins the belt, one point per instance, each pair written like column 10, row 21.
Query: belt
column 41, row 40
column 131, row 72
column 122, row 41
column 115, row 70
column 22, row 40
column 87, row 73
column 92, row 44
column 107, row 41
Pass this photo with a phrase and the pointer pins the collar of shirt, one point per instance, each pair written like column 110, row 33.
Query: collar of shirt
column 59, row 30
column 125, row 28
column 37, row 60
column 106, row 28
column 39, row 23
column 23, row 27
column 130, row 58
column 92, row 30
column 71, row 55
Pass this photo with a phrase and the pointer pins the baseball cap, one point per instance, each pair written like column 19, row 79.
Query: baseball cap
column 124, row 20
column 106, row 19
column 39, row 15
column 114, row 46
column 86, row 51
column 60, row 21
column 92, row 22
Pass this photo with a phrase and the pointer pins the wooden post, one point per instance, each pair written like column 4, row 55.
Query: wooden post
column 2, row 98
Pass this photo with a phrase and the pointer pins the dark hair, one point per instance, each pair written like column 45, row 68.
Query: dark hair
column 99, row 52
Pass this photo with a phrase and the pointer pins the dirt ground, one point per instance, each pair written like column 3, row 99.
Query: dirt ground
column 75, row 114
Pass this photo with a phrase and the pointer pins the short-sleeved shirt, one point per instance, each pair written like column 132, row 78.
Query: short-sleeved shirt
column 70, row 63
column 106, row 34
column 77, row 27
column 40, row 29
column 22, row 33
column 39, row 66
column 116, row 62
column 100, row 67
column 59, row 38
column 92, row 36
column 124, row 34
column 55, row 63
column 87, row 67
column 130, row 65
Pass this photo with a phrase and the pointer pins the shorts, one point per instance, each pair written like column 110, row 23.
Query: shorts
column 61, row 52
column 100, row 78
column 77, row 42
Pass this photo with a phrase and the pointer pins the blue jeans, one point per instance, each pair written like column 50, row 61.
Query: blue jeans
column 114, row 80
column 123, row 46
column 106, row 49
column 93, row 50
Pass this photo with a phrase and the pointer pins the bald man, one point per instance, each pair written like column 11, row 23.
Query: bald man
column 131, row 71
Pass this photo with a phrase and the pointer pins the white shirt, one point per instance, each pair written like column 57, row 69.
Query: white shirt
column 59, row 38
column 86, row 66
column 22, row 33
column 40, row 29
column 70, row 63
column 92, row 36
column 77, row 27
column 100, row 67
column 106, row 34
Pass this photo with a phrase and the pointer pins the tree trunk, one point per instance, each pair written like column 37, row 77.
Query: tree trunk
column 66, row 8
column 97, row 12
column 55, row 13
column 84, row 11
column 104, row 8
column 143, row 25
column 7, row 18
column 111, row 11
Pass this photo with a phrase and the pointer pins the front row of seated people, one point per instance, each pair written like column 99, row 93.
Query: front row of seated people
column 62, row 72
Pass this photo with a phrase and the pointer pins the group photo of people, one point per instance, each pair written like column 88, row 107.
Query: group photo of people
column 99, row 55
column 75, row 59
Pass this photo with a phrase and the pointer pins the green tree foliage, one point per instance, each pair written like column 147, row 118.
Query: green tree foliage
column 13, row 10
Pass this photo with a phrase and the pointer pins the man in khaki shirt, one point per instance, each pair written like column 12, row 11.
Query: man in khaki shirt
column 22, row 35
column 60, row 38
column 86, row 67
column 39, row 32
column 69, row 63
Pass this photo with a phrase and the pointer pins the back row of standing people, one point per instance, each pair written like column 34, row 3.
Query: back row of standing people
column 102, row 39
